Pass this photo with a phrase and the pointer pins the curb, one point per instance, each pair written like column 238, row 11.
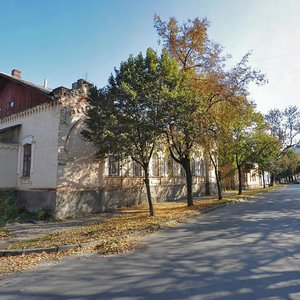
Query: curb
column 55, row 249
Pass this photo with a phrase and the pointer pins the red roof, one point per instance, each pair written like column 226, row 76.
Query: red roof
column 17, row 95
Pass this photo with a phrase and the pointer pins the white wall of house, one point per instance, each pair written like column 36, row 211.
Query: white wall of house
column 39, row 126
column 77, row 167
column 253, row 178
column 8, row 163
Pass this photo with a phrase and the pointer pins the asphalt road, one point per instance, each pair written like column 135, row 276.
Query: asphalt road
column 249, row 250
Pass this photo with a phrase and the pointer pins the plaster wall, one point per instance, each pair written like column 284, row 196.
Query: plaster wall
column 8, row 165
column 40, row 126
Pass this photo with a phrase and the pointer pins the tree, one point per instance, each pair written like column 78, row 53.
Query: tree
column 265, row 149
column 202, row 62
column 239, row 139
column 124, row 118
column 215, row 137
column 288, row 165
column 285, row 126
column 189, row 44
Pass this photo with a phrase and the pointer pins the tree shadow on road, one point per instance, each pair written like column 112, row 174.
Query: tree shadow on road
column 247, row 251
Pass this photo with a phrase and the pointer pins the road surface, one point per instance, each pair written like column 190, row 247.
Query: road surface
column 249, row 250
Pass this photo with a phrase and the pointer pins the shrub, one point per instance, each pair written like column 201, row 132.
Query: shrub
column 44, row 214
column 8, row 206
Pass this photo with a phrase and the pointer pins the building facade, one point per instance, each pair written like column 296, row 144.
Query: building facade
column 45, row 158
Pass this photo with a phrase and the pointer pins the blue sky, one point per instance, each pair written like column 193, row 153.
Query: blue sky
column 64, row 40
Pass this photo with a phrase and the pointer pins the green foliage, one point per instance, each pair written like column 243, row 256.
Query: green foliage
column 287, row 165
column 8, row 207
column 126, row 118
column 11, row 212
column 44, row 214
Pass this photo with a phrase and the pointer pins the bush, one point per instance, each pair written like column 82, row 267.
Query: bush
column 10, row 212
column 8, row 206
column 44, row 214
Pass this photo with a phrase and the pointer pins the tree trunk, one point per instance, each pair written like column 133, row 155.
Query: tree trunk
column 263, row 176
column 207, row 181
column 239, row 168
column 147, row 184
column 272, row 180
column 217, row 177
column 240, row 180
column 186, row 164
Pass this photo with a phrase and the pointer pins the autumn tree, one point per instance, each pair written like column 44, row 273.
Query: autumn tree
column 200, row 60
column 203, row 63
column 241, row 137
column 124, row 118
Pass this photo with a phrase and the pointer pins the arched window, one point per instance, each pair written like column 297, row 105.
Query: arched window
column 26, row 160
column 155, row 165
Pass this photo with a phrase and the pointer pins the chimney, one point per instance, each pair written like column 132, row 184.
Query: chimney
column 16, row 73
column 45, row 83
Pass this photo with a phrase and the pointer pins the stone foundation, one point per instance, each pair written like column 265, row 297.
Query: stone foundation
column 32, row 200
column 68, row 203
column 78, row 203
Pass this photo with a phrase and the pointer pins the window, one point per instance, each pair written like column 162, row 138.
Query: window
column 11, row 103
column 170, row 165
column 155, row 165
column 136, row 169
column 176, row 169
column 193, row 167
column 113, row 166
column 26, row 160
column 202, row 168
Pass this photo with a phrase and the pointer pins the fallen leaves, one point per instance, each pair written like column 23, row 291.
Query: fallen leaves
column 4, row 233
column 118, row 234
column 127, row 221
column 12, row 264
column 118, row 245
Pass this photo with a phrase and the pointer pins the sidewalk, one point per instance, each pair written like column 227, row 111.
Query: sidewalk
column 24, row 231
column 29, row 231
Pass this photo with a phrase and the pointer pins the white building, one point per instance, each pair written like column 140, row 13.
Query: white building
column 44, row 157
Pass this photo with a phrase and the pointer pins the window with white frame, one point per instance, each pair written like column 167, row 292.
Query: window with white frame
column 26, row 157
column 26, row 160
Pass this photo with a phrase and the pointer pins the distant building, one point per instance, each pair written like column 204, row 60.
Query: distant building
column 251, row 177
column 44, row 157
